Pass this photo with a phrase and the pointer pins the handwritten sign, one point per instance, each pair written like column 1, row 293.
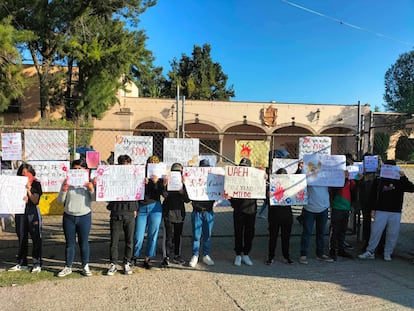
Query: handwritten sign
column 245, row 182
column 120, row 182
column 11, row 144
column 181, row 150
column 46, row 145
column 204, row 183
column 290, row 165
column 255, row 150
column 78, row 178
column 139, row 148
column 93, row 159
column 390, row 171
column 354, row 170
column 314, row 145
column 175, row 181
column 12, row 193
column 324, row 170
column 156, row 169
column 288, row 189
column 51, row 174
column 371, row 164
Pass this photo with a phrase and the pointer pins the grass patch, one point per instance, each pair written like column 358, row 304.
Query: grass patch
column 17, row 278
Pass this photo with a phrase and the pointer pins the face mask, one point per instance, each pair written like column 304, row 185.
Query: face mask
column 29, row 176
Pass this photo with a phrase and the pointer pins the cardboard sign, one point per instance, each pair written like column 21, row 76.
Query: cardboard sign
column 93, row 159
column 314, row 145
column 245, row 182
column 324, row 170
column 371, row 164
column 175, row 181
column 290, row 165
column 156, row 169
column 390, row 171
column 139, row 148
column 288, row 189
column 120, row 182
column 12, row 193
column 181, row 150
column 255, row 150
column 46, row 145
column 204, row 183
column 11, row 144
column 78, row 178
column 51, row 174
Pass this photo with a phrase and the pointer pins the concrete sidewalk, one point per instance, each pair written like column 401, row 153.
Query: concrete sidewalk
column 345, row 284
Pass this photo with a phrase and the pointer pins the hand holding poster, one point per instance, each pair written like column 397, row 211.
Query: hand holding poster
column 245, row 182
column 325, row 170
column 12, row 193
column 390, row 171
column 120, row 182
column 204, row 183
column 78, row 178
column 288, row 189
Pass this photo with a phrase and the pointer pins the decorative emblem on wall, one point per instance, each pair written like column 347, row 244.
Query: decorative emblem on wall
column 269, row 116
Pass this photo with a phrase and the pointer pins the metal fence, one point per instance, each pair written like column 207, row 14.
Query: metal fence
column 222, row 145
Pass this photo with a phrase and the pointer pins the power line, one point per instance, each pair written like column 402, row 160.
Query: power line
column 347, row 24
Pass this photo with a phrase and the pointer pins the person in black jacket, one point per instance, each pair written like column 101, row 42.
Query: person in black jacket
column 173, row 212
column 387, row 198
column 122, row 218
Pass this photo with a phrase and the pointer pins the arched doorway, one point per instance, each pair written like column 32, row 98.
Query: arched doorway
column 158, row 133
column 287, row 138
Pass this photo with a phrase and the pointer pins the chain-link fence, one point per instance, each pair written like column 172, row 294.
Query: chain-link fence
column 224, row 147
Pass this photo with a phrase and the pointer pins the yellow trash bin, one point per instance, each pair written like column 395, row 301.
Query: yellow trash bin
column 49, row 204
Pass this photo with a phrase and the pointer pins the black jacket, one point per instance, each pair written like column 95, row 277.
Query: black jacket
column 173, row 208
column 245, row 206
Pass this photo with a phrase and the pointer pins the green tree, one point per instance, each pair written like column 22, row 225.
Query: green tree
column 199, row 77
column 399, row 84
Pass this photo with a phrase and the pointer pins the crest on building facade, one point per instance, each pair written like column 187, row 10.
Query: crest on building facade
column 269, row 116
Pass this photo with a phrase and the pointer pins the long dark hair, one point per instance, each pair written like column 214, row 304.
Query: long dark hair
column 26, row 166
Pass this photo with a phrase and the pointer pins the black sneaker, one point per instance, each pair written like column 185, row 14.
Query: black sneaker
column 332, row 254
column 147, row 265
column 347, row 245
column 178, row 260
column 165, row 262
column 288, row 261
column 269, row 261
column 345, row 254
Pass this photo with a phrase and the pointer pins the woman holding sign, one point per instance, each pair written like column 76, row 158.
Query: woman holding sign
column 77, row 193
column 29, row 222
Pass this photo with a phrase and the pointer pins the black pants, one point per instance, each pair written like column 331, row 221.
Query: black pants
column 173, row 233
column 339, row 225
column 244, row 227
column 119, row 224
column 279, row 218
column 29, row 223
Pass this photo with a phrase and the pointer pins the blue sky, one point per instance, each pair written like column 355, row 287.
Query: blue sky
column 272, row 50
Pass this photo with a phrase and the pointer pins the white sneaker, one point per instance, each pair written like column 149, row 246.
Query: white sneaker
column 367, row 255
column 387, row 258
column 36, row 268
column 18, row 268
column 237, row 261
column 303, row 260
column 127, row 269
column 112, row 269
column 66, row 271
column 247, row 260
column 86, row 271
column 208, row 261
column 193, row 261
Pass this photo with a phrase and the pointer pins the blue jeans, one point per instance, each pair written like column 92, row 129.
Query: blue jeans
column 151, row 215
column 308, row 219
column 202, row 223
column 80, row 226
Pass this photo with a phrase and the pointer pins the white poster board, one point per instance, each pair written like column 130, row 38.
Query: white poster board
column 324, row 170
column 11, row 144
column 46, row 145
column 204, row 183
column 290, row 165
column 371, row 163
column 175, row 181
column 354, row 170
column 78, row 178
column 139, row 148
column 51, row 174
column 156, row 169
column 120, row 182
column 390, row 171
column 181, row 150
column 12, row 193
column 245, row 182
column 288, row 189
column 212, row 159
column 314, row 145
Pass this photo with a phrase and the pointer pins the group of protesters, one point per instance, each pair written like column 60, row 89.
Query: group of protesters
column 379, row 199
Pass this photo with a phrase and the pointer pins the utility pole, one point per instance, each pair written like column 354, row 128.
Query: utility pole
column 177, row 128
column 182, row 116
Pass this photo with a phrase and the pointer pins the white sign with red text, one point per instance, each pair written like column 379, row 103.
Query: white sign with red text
column 139, row 148
column 46, row 145
column 204, row 183
column 11, row 144
column 314, row 145
column 51, row 174
column 78, row 178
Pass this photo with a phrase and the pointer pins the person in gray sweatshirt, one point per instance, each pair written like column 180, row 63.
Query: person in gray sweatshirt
column 77, row 220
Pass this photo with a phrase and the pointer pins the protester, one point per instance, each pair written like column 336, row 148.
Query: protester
column 202, row 221
column 77, row 220
column 122, row 219
column 149, row 214
column 174, row 215
column 387, row 197
column 29, row 222
column 280, row 217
